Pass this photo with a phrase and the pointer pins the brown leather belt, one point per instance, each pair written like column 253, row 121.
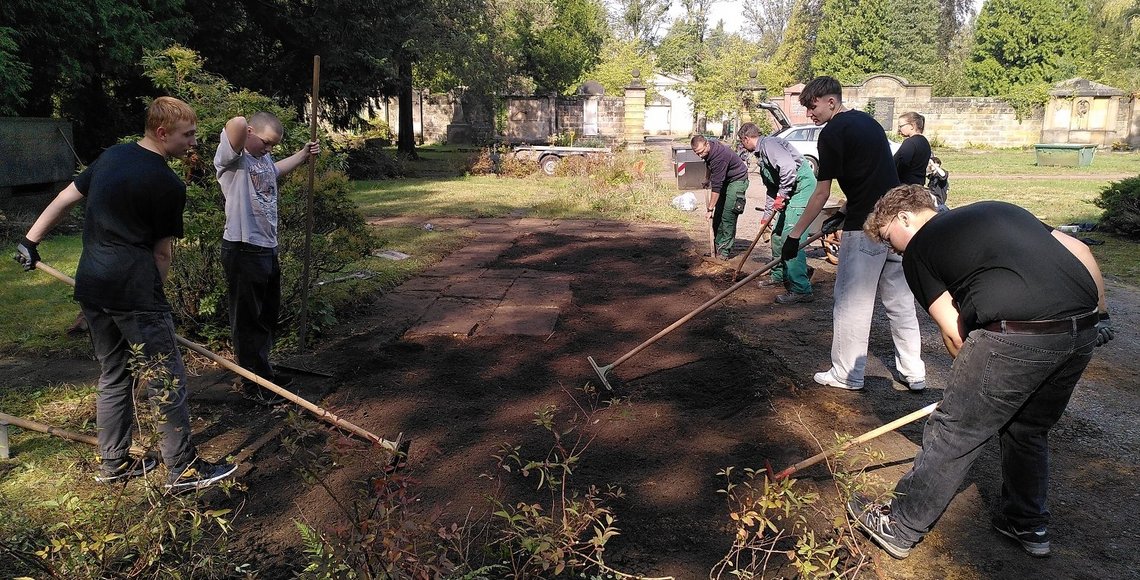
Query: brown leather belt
column 1059, row 326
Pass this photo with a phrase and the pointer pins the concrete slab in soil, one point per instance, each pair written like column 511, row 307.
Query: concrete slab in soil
column 483, row 287
column 453, row 270
column 453, row 317
column 424, row 284
column 544, row 292
column 520, row 320
column 510, row 273
column 404, row 308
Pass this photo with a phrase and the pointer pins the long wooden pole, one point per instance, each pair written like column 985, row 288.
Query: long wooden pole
column 303, row 323
column 318, row 412
column 6, row 419
column 860, row 439
column 744, row 258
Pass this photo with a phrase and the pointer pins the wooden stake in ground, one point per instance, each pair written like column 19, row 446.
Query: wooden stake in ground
column 303, row 323
column 712, row 232
column 318, row 412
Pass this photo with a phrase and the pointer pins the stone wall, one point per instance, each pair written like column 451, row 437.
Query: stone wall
column 432, row 114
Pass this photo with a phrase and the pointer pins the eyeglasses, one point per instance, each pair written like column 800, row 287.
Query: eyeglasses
column 266, row 142
column 886, row 234
column 904, row 125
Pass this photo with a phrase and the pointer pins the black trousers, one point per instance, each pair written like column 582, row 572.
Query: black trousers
column 253, row 278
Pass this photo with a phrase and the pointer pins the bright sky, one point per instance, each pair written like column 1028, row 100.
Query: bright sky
column 731, row 12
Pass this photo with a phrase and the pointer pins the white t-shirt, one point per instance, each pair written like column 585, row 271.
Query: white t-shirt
column 250, row 186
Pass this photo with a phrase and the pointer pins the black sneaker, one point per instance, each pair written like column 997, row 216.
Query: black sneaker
column 261, row 395
column 123, row 469
column 794, row 298
column 1035, row 542
column 198, row 474
column 875, row 520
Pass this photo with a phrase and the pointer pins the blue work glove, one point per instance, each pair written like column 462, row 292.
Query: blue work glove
column 1104, row 332
column 791, row 249
column 833, row 223
column 26, row 254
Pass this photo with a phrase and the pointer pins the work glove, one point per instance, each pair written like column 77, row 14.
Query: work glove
column 791, row 249
column 780, row 202
column 26, row 254
column 1104, row 332
column 833, row 223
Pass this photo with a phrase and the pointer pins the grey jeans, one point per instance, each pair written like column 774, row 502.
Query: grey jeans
column 112, row 333
column 1014, row 386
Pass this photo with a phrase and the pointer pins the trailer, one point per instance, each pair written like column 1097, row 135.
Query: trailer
column 549, row 156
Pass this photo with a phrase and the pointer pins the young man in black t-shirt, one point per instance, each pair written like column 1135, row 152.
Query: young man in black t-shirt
column 853, row 150
column 133, row 213
column 1020, row 307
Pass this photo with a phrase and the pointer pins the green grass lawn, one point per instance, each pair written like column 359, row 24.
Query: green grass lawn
column 999, row 162
column 37, row 309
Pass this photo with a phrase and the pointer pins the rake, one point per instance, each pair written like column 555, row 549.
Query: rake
column 603, row 370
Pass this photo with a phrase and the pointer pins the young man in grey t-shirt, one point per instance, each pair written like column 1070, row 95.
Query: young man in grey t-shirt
column 248, row 176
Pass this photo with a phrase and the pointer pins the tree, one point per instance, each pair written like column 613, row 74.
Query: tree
column 555, row 41
column 853, row 39
column 680, row 49
column 912, row 44
column 618, row 60
column 793, row 57
column 767, row 20
column 639, row 20
column 1116, row 46
column 954, row 17
column 14, row 74
column 720, row 77
column 1028, row 44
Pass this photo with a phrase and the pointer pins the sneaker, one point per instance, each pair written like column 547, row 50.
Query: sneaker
column 1035, row 542
column 829, row 379
column 123, row 469
column 916, row 386
column 794, row 297
column 875, row 520
column 198, row 474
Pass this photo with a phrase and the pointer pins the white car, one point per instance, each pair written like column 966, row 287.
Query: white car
column 804, row 138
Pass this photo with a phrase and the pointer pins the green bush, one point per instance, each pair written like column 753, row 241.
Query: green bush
column 1120, row 201
column 196, row 287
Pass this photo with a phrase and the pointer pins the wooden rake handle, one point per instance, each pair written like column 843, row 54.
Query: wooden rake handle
column 320, row 413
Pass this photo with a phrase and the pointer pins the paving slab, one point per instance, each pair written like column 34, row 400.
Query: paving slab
column 548, row 292
column 479, row 288
column 453, row 317
column 424, row 283
column 520, row 320
column 511, row 273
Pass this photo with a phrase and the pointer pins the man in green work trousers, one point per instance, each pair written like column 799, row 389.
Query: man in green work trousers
column 790, row 181
column 728, row 181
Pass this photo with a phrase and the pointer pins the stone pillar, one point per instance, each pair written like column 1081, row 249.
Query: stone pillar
column 635, row 112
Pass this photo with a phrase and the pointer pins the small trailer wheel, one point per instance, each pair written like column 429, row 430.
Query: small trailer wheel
column 549, row 164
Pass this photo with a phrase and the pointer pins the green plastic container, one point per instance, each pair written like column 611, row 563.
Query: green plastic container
column 1064, row 154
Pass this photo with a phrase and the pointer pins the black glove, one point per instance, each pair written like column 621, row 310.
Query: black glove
column 1104, row 331
column 833, row 223
column 26, row 254
column 791, row 249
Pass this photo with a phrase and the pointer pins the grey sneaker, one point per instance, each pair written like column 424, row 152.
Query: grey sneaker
column 875, row 520
column 917, row 386
column 126, row 468
column 1035, row 542
column 794, row 298
column 198, row 474
column 828, row 378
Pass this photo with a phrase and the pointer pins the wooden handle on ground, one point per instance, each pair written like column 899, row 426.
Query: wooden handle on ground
column 30, row 425
column 320, row 413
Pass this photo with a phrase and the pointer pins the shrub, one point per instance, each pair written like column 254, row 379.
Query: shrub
column 372, row 162
column 1120, row 201
column 196, row 287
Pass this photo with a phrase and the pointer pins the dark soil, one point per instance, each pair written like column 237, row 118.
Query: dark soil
column 730, row 388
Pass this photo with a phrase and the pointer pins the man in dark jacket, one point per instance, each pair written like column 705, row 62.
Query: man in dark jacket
column 728, row 180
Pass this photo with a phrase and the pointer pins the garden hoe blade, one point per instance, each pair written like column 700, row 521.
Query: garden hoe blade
column 601, row 372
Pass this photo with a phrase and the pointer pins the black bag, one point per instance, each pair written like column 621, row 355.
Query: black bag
column 739, row 207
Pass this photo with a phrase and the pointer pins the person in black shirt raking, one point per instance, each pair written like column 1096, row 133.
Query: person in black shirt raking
column 1020, row 307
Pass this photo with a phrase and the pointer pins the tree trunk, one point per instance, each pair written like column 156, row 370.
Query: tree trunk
column 406, row 141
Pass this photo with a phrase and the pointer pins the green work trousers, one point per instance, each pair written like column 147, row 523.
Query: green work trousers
column 794, row 272
column 724, row 219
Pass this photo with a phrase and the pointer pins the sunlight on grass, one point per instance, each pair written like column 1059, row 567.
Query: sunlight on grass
column 998, row 162
column 38, row 309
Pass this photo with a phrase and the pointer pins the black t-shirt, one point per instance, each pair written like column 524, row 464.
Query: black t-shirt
column 911, row 160
column 999, row 263
column 853, row 150
column 133, row 200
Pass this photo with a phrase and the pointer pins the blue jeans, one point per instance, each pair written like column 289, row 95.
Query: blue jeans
column 865, row 269
column 1014, row 386
column 253, row 278
column 112, row 333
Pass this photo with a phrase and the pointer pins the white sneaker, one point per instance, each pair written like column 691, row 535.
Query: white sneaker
column 829, row 379
column 916, row 386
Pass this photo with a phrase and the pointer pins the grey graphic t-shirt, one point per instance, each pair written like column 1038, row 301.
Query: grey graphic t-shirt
column 250, row 186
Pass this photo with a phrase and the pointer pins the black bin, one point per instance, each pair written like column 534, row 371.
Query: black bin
column 689, row 169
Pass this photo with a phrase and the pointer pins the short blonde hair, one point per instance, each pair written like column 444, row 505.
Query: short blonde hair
column 912, row 198
column 168, row 112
